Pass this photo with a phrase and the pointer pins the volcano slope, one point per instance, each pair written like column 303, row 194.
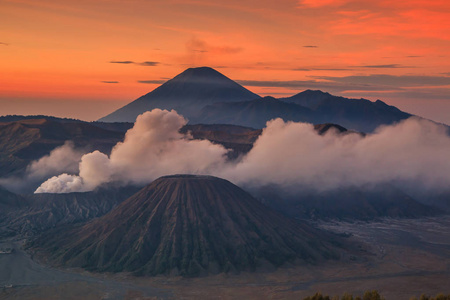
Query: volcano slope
column 187, row 93
column 190, row 226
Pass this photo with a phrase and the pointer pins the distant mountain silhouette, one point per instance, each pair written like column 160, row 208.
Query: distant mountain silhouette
column 205, row 96
column 357, row 114
column 15, row 118
column 118, row 126
column 187, row 93
column 254, row 113
column 308, row 98
column 188, row 225
column 309, row 106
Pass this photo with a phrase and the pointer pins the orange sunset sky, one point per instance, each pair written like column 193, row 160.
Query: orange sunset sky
column 84, row 59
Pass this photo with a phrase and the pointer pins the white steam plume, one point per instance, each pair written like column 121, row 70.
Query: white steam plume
column 152, row 148
column 292, row 155
column 63, row 183
column 64, row 158
column 61, row 159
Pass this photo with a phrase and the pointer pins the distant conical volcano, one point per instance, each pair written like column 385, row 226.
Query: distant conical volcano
column 187, row 93
column 188, row 225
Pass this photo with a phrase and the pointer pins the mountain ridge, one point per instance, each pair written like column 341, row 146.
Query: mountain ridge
column 187, row 93
column 205, row 96
column 309, row 106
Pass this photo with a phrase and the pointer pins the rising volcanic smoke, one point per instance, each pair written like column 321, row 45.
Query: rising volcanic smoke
column 288, row 154
column 152, row 148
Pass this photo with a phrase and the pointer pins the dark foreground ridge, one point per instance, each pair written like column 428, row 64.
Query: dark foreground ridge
column 191, row 226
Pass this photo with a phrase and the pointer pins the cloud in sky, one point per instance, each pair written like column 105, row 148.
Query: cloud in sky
column 315, row 84
column 310, row 46
column 417, row 19
column 124, row 62
column 387, row 66
column 390, row 80
column 403, row 22
column 353, row 68
column 322, row 69
column 149, row 63
column 4, row 44
column 157, row 81
column 201, row 46
column 130, row 62
column 408, row 86
column 321, row 3
column 109, row 81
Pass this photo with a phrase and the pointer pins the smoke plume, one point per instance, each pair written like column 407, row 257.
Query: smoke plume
column 152, row 148
column 291, row 155
column 61, row 159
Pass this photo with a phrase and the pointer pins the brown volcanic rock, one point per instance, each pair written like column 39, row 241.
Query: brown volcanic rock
column 188, row 225
column 239, row 139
